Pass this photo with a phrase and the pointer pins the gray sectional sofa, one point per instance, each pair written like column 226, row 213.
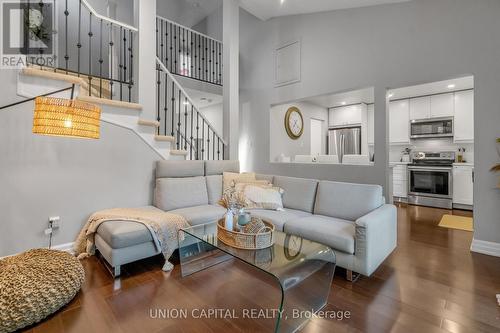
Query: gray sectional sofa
column 352, row 219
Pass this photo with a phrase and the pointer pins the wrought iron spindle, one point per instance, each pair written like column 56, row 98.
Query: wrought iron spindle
column 158, row 95
column 171, row 48
column 191, row 52
column 197, row 135
column 202, row 139
column 79, row 43
column 124, row 57
column 191, row 135
column 131, row 68
column 120, row 65
column 90, row 54
column 208, row 142
column 165, row 105
column 66, row 56
column 213, row 145
column 100, row 58
column 218, row 148
column 110, row 48
column 185, row 122
column 179, row 121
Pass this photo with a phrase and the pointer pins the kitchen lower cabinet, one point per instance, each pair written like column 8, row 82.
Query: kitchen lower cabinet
column 400, row 181
column 463, row 180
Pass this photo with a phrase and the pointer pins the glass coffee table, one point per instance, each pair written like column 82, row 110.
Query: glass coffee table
column 304, row 269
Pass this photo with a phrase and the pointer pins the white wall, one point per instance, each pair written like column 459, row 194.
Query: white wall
column 211, row 25
column 386, row 46
column 281, row 143
column 213, row 114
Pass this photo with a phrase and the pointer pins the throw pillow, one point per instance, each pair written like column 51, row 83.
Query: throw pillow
column 232, row 178
column 263, row 196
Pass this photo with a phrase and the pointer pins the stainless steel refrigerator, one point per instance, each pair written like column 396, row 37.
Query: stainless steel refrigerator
column 344, row 141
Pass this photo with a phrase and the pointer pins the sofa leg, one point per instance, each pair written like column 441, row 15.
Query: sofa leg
column 116, row 271
column 351, row 276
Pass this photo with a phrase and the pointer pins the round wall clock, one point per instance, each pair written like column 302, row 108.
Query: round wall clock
column 294, row 123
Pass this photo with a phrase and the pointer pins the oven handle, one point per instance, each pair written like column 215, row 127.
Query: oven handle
column 422, row 168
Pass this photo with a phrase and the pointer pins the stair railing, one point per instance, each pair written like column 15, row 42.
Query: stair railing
column 188, row 53
column 94, row 47
column 179, row 118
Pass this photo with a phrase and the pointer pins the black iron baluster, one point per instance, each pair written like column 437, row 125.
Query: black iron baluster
column 110, row 50
column 202, row 139
column 66, row 56
column 182, row 54
column 130, row 68
column 79, row 43
column 120, row 65
column 100, row 59
column 213, row 145
column 160, row 37
column 212, row 63
column 191, row 57
column 216, row 62
column 175, row 50
column 90, row 54
column 171, row 48
column 173, row 108
column 208, row 142
column 179, row 120
column 165, row 105
column 199, row 57
column 197, row 135
column 185, row 122
column 124, row 56
column 158, row 88
column 191, row 135
column 223, row 151
column 156, row 36
column 218, row 147
column 166, row 44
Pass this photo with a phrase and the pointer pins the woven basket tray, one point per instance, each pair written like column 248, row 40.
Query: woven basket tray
column 240, row 240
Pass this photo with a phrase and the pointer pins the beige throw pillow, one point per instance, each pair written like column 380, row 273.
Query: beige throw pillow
column 232, row 178
column 263, row 196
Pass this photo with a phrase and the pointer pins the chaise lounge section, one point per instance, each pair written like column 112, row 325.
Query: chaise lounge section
column 352, row 219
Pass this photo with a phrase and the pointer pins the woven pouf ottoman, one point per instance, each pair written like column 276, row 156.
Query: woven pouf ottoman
column 35, row 284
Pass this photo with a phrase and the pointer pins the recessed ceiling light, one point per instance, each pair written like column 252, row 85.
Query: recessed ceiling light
column 389, row 95
column 451, row 86
column 343, row 103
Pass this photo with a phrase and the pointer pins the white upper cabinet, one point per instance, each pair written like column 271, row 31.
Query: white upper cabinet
column 464, row 116
column 371, row 124
column 442, row 105
column 420, row 108
column 463, row 185
column 399, row 121
column 345, row 115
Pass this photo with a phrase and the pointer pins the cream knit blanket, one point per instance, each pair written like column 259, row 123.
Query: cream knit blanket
column 163, row 226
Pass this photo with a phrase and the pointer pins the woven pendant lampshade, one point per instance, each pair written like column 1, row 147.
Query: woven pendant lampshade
column 66, row 117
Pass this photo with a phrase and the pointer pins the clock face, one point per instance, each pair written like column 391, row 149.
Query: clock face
column 294, row 123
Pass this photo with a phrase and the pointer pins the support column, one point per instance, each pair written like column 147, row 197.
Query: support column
column 231, row 40
column 145, row 21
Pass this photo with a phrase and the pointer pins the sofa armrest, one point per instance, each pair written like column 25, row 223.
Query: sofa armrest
column 375, row 238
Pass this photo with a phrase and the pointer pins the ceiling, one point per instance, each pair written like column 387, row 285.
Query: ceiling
column 365, row 95
column 202, row 99
column 187, row 12
column 466, row 82
column 266, row 9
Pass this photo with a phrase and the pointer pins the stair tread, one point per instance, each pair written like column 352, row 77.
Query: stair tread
column 146, row 122
column 111, row 102
column 164, row 138
column 178, row 152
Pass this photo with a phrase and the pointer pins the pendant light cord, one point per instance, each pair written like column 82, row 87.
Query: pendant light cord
column 47, row 94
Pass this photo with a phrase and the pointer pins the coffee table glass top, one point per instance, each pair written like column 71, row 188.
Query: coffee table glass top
column 303, row 268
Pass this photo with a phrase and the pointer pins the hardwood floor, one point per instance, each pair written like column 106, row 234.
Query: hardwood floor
column 431, row 283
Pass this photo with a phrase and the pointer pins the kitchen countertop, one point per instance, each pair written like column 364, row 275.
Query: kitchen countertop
column 464, row 164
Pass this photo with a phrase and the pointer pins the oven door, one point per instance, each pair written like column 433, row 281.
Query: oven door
column 430, row 181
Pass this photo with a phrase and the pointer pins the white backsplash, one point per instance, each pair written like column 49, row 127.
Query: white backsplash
column 432, row 145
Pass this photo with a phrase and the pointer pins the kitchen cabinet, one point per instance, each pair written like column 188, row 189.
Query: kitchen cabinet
column 420, row 108
column 463, row 184
column 399, row 122
column 442, row 105
column 370, row 113
column 464, row 117
column 400, row 181
column 346, row 115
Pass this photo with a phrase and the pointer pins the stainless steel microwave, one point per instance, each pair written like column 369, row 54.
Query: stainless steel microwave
column 431, row 128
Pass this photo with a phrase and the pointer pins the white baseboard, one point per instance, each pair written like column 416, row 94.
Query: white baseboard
column 484, row 247
column 67, row 247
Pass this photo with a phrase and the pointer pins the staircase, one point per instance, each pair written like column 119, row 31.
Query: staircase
column 98, row 60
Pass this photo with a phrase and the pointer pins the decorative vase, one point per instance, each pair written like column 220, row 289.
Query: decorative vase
column 243, row 218
column 229, row 219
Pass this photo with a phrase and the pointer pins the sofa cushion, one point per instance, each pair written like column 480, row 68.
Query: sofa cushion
column 120, row 234
column 218, row 167
column 201, row 214
column 261, row 176
column 333, row 232
column 174, row 169
column 278, row 218
column 214, row 188
column 347, row 200
column 299, row 192
column 175, row 193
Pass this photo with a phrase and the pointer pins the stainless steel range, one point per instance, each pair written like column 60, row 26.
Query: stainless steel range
column 430, row 179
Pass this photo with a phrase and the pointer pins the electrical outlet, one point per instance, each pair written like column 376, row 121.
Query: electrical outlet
column 54, row 222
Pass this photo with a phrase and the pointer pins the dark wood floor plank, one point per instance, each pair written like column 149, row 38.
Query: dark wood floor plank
column 431, row 283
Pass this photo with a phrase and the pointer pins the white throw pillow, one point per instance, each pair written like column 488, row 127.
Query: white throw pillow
column 261, row 196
